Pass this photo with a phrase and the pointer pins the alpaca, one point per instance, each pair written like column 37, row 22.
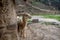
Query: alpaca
column 23, row 24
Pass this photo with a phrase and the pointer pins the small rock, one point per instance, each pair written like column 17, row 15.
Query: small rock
column 35, row 20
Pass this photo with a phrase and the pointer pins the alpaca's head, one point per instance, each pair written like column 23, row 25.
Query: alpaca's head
column 26, row 15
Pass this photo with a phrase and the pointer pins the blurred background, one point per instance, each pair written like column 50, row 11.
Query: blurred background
column 41, row 10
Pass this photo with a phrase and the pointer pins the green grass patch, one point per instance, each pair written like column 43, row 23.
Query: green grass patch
column 57, row 17
column 52, row 16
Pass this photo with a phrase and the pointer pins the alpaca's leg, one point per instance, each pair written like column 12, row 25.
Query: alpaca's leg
column 20, row 32
column 23, row 33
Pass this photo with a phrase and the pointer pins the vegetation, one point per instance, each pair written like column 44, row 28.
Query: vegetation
column 55, row 3
column 52, row 16
column 57, row 17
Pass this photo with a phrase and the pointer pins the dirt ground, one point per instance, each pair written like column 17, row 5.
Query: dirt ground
column 39, row 31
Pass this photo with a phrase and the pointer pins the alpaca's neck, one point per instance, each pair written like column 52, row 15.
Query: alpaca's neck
column 24, row 20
